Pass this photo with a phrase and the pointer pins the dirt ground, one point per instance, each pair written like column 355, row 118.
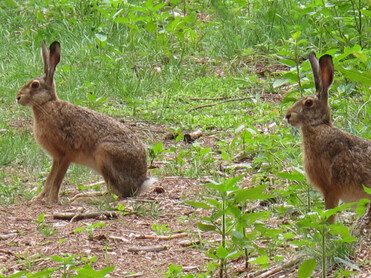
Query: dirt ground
column 128, row 242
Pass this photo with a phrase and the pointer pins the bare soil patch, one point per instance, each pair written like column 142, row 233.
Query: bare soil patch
column 128, row 242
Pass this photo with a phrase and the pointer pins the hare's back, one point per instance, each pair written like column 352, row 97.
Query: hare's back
column 76, row 128
column 351, row 168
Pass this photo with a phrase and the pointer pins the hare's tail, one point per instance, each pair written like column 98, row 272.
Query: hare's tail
column 147, row 184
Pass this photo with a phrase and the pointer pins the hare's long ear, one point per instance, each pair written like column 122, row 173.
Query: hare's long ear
column 316, row 71
column 327, row 77
column 327, row 71
column 45, row 55
column 54, row 58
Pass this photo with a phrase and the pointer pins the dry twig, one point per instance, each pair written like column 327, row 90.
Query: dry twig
column 220, row 102
column 84, row 215
column 154, row 248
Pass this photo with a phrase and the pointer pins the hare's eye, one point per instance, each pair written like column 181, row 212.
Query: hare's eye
column 35, row 84
column 308, row 103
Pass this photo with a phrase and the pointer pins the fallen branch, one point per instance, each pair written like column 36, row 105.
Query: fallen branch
column 88, row 195
column 84, row 215
column 192, row 136
column 9, row 253
column 6, row 236
column 180, row 235
column 220, row 102
column 155, row 248
column 118, row 238
column 138, row 274
column 206, row 98
column 95, row 184
column 187, row 243
column 294, row 261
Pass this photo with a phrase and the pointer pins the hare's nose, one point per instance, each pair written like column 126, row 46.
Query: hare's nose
column 18, row 98
column 288, row 116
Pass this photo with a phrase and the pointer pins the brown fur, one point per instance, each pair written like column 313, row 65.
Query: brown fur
column 336, row 162
column 73, row 134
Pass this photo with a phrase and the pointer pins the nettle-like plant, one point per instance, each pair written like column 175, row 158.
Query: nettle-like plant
column 236, row 227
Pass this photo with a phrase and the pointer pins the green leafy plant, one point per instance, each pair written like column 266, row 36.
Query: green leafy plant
column 230, row 221
column 161, row 229
column 89, row 229
column 43, row 228
column 68, row 266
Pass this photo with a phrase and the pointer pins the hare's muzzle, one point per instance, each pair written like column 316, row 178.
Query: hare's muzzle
column 20, row 98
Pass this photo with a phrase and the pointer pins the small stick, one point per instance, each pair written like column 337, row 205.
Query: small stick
column 6, row 236
column 206, row 98
column 86, row 215
column 155, row 248
column 95, row 183
column 180, row 235
column 88, row 194
column 220, row 102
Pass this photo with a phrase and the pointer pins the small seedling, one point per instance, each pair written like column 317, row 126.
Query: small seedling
column 161, row 229
column 43, row 228
column 89, row 229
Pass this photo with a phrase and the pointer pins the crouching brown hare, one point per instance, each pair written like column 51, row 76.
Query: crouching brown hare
column 335, row 162
column 73, row 134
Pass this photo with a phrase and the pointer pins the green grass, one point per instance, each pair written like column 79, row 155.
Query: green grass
column 147, row 60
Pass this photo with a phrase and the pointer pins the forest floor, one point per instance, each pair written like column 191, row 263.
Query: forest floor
column 152, row 231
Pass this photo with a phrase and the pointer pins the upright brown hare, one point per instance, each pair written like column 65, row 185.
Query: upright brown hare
column 336, row 162
column 73, row 134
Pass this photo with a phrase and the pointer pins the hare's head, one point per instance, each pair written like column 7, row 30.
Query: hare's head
column 41, row 89
column 314, row 110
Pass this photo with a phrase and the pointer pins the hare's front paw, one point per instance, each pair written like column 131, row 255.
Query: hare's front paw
column 39, row 197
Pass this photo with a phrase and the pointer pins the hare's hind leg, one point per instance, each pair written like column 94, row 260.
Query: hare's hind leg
column 331, row 201
column 124, row 172
column 54, row 181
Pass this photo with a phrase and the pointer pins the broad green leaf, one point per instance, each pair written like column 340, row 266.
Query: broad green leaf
column 79, row 229
column 288, row 62
column 251, row 194
column 355, row 75
column 296, row 176
column 306, row 268
column 18, row 274
column 296, row 35
column 198, row 204
column 260, row 260
column 225, row 156
column 252, row 217
column 40, row 274
column 234, row 255
column 151, row 27
column 40, row 218
column 205, row 227
column 367, row 189
column 279, row 82
column 362, row 206
column 343, row 207
column 221, row 252
column 121, row 20
column 89, row 272
column 343, row 231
